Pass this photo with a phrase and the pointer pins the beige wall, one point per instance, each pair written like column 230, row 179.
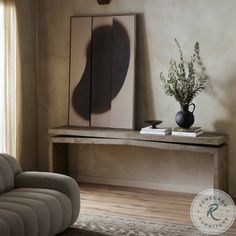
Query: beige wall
column 159, row 22
column 26, row 16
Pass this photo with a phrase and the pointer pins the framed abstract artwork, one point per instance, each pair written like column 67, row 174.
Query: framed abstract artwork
column 102, row 64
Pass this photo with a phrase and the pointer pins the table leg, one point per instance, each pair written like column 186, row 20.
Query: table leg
column 58, row 157
column 221, row 168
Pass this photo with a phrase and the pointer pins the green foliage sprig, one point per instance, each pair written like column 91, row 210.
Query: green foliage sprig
column 185, row 79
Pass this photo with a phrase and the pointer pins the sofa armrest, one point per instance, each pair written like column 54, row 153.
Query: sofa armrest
column 47, row 180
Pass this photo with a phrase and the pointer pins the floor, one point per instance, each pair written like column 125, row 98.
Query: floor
column 150, row 205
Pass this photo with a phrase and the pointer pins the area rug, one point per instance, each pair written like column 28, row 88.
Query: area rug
column 104, row 225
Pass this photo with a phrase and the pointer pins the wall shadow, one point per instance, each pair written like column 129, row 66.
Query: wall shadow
column 227, row 99
column 144, row 102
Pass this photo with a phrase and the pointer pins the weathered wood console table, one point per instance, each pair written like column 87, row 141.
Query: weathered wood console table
column 209, row 143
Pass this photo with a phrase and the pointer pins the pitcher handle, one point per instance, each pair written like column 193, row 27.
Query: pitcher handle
column 192, row 104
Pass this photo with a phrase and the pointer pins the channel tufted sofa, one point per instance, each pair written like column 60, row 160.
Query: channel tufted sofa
column 35, row 203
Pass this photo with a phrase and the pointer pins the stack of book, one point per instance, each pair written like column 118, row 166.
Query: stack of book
column 191, row 132
column 155, row 131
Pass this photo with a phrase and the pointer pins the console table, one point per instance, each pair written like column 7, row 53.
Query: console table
column 209, row 143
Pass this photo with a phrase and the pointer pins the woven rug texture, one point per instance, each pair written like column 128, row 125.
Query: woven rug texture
column 103, row 225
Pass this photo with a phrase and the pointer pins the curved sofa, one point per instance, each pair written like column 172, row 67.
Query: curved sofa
column 35, row 203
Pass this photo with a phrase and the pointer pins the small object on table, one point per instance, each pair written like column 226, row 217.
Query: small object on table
column 153, row 123
column 190, row 132
column 156, row 131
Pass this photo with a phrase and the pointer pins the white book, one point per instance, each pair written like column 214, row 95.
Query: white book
column 187, row 134
column 152, row 133
column 150, row 130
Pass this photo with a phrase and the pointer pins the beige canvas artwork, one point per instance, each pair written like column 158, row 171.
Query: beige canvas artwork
column 102, row 66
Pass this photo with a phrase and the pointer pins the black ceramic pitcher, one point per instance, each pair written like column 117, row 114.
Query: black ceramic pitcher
column 185, row 118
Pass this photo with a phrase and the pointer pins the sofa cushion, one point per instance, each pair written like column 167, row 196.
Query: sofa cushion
column 12, row 223
column 39, row 208
column 13, row 163
column 4, row 228
column 58, row 204
column 58, row 182
column 35, row 203
column 6, row 176
column 28, row 217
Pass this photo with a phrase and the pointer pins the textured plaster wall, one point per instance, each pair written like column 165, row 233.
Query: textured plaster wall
column 26, row 16
column 212, row 23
